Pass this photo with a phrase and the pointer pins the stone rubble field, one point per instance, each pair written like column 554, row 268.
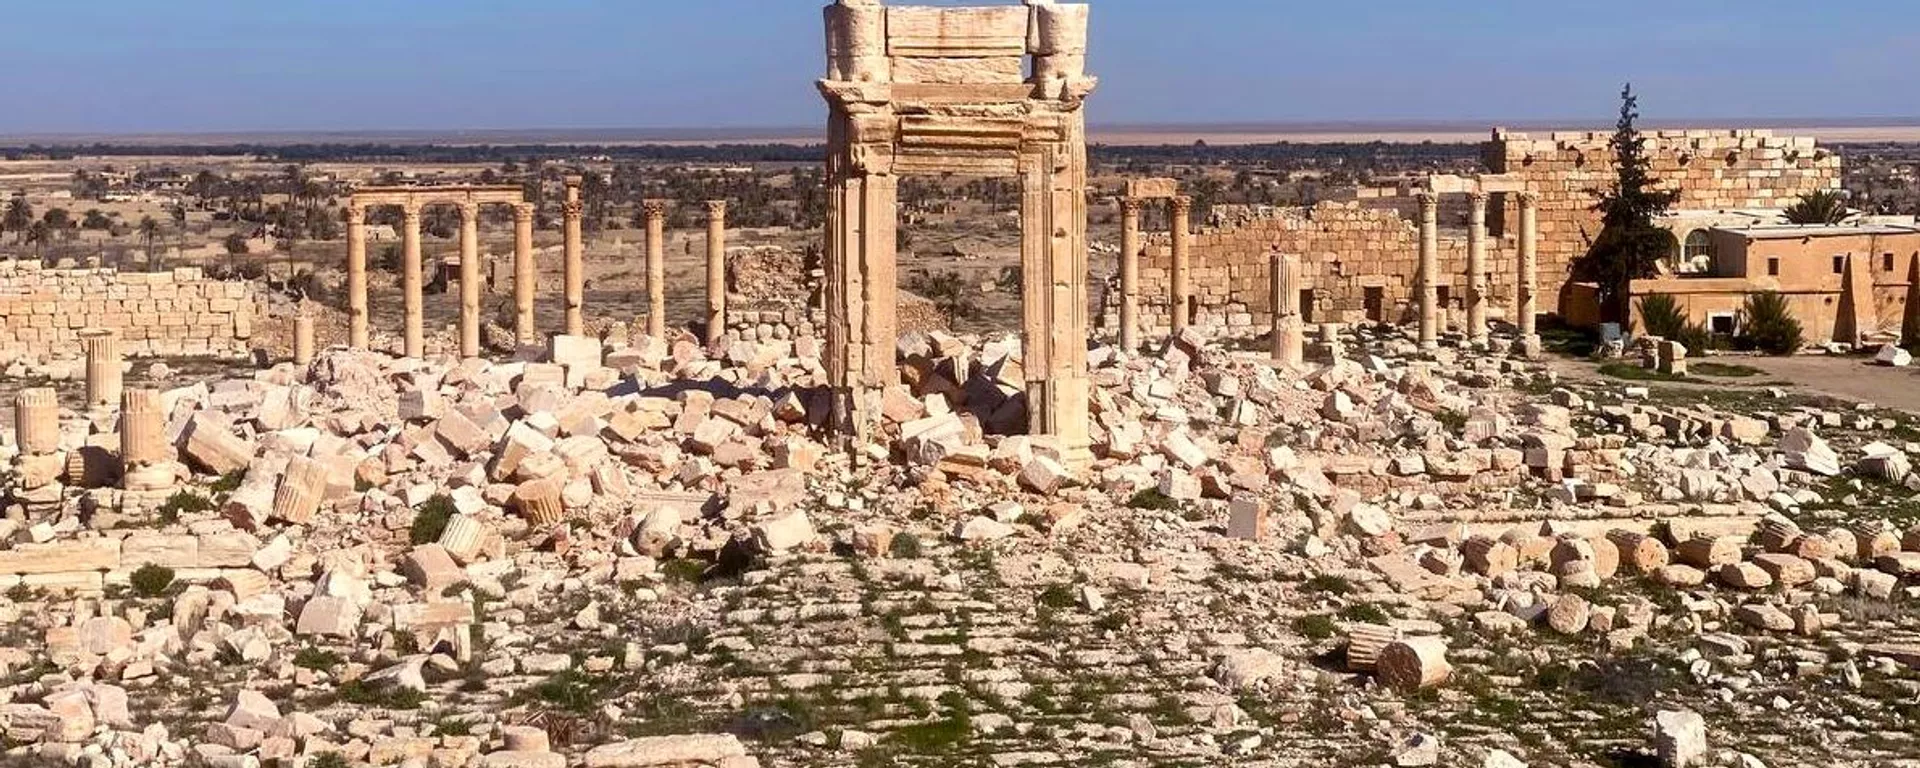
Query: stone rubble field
column 652, row 554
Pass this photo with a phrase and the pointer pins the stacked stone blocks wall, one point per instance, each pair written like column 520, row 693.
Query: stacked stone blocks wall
column 181, row 312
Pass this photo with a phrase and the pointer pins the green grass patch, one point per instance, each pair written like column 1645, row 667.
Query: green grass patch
column 1317, row 626
column 316, row 659
column 151, row 580
column 1631, row 372
column 430, row 520
column 1328, row 584
column 1725, row 370
column 1366, row 613
column 180, row 503
column 1153, row 499
column 358, row 692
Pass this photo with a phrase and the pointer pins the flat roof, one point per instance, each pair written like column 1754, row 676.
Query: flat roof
column 1796, row 231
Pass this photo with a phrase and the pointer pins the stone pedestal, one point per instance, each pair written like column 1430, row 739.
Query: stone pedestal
column 302, row 340
column 40, row 465
column 1130, row 274
column 1181, row 276
column 414, row 344
column 356, row 277
column 540, row 502
column 1289, row 339
column 656, row 213
column 575, row 250
column 524, row 276
column 1330, row 342
column 143, row 438
column 1429, row 271
column 103, row 367
column 716, row 270
column 36, row 420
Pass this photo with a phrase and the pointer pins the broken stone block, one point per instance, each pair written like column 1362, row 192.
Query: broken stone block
column 1247, row 517
column 789, row 531
column 211, row 445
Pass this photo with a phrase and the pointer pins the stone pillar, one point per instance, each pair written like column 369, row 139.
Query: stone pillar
column 469, row 279
column 540, row 502
column 1289, row 339
column 300, row 491
column 415, row 340
column 1053, row 225
column 1130, row 274
column 103, row 367
column 716, row 270
column 576, row 278
column 1182, row 288
column 356, row 277
column 146, row 463
column 1429, row 270
column 656, row 211
column 1477, row 269
column 36, row 420
column 524, row 277
column 302, row 339
column 1527, row 305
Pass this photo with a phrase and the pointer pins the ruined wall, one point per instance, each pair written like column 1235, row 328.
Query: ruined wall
column 175, row 313
column 1349, row 248
column 1713, row 170
column 1345, row 248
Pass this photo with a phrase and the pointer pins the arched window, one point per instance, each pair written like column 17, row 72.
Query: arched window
column 1699, row 246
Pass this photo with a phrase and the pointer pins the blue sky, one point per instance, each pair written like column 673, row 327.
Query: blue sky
column 238, row 65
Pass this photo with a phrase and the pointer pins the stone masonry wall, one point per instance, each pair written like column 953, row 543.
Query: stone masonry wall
column 1346, row 249
column 176, row 313
column 1713, row 170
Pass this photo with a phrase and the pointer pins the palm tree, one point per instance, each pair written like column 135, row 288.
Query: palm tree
column 18, row 217
column 148, row 230
column 1820, row 207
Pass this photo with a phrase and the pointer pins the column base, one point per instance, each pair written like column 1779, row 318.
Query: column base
column 1528, row 346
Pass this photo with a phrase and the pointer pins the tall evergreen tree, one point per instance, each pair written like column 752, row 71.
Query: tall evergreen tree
column 1629, row 246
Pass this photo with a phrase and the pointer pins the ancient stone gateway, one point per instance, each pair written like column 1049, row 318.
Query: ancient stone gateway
column 468, row 199
column 979, row 91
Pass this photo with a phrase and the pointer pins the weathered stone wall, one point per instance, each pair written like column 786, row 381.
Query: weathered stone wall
column 1712, row 169
column 179, row 312
column 1345, row 248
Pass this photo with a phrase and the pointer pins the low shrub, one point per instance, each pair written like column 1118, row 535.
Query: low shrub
column 1767, row 325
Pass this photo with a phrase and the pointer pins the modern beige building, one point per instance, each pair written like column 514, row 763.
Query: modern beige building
column 1845, row 284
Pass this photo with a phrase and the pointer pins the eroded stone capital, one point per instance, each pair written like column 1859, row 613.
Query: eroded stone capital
column 572, row 209
column 522, row 213
column 1529, row 198
column 1429, row 202
column 410, row 214
column 469, row 211
column 1182, row 204
column 1131, row 205
column 1478, row 198
column 354, row 214
column 655, row 210
column 717, row 208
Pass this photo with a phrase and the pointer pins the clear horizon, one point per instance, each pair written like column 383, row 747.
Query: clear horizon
column 111, row 67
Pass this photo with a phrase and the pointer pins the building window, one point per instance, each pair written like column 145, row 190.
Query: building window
column 1886, row 262
column 1306, row 306
column 1443, row 295
column 1699, row 246
column 1839, row 265
column 1721, row 323
column 1773, row 266
column 1375, row 300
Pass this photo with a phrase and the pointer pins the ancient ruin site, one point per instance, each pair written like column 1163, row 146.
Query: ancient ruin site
column 960, row 436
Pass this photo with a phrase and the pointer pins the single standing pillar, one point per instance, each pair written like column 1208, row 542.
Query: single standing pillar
column 656, row 212
column 1289, row 340
column 1182, row 288
column 1429, row 271
column 1477, row 268
column 1528, row 301
column 576, row 279
column 103, row 367
column 415, row 340
column 145, row 463
column 302, row 339
column 469, row 280
column 356, row 277
column 1130, row 274
column 523, row 275
column 716, row 270
column 36, row 420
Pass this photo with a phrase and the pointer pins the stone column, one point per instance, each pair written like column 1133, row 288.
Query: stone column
column 576, row 278
column 1527, row 305
column 656, row 211
column 524, row 277
column 1289, row 340
column 36, row 420
column 356, row 277
column 103, row 367
column 1130, row 274
column 145, row 463
column 302, row 339
column 716, row 270
column 1182, row 206
column 1429, row 270
column 469, row 279
column 415, row 340
column 1477, row 269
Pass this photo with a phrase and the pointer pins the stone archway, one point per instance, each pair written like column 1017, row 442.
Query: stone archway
column 993, row 91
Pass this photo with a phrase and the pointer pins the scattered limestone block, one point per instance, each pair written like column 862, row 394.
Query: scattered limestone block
column 653, row 751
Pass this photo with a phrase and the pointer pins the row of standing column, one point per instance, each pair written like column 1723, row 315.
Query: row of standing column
column 1179, row 277
column 1478, row 292
column 525, row 274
